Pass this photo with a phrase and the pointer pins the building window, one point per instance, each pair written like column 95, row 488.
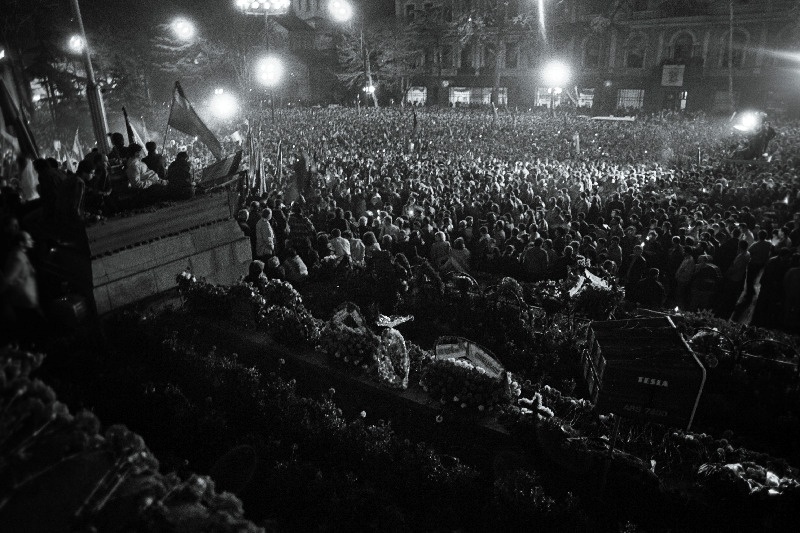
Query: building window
column 466, row 57
column 409, row 12
column 739, row 47
column 683, row 48
column 592, row 53
column 447, row 56
column 512, row 55
column 585, row 98
column 634, row 52
column 630, row 98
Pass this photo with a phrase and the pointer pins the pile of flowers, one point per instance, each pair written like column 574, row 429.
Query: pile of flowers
column 103, row 478
column 281, row 293
column 204, row 298
column 355, row 347
column 459, row 382
column 288, row 326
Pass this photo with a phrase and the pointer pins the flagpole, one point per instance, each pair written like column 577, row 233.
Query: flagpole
column 171, row 105
column 93, row 96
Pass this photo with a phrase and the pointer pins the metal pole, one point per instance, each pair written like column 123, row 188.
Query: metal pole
column 93, row 96
column 272, row 103
column 730, row 55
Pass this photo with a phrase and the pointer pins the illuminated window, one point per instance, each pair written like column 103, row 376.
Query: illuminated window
column 630, row 98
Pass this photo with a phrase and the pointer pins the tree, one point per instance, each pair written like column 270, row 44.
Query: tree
column 379, row 51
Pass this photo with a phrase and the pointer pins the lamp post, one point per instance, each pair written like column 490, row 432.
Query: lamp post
column 342, row 11
column 93, row 96
column 264, row 8
column 183, row 29
column 269, row 72
column 555, row 75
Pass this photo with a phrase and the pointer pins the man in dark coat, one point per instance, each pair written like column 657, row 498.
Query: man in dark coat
column 179, row 177
column 650, row 292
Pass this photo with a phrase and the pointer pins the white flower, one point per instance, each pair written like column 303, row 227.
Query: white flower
column 363, row 414
column 455, row 398
column 481, row 408
column 439, row 419
column 463, row 406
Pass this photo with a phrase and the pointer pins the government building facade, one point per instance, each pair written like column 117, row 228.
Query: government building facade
column 715, row 56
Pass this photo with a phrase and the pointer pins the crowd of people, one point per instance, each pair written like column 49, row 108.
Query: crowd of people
column 651, row 204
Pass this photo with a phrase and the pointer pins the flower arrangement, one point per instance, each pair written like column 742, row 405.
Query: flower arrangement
column 277, row 292
column 392, row 360
column 464, row 385
column 354, row 347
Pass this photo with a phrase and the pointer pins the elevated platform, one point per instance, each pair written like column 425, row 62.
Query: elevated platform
column 137, row 257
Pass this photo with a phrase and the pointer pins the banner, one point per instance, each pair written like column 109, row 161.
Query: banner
column 77, row 150
column 672, row 75
column 183, row 118
column 460, row 348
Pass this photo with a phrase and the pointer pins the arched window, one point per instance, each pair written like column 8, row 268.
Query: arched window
column 683, row 47
column 737, row 51
column 634, row 52
column 592, row 52
column 466, row 57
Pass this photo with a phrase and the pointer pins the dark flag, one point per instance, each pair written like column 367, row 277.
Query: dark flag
column 414, row 111
column 183, row 117
column 13, row 119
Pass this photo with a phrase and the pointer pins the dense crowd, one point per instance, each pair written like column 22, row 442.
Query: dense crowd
column 651, row 204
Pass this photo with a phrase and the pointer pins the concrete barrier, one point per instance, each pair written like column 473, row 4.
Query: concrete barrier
column 199, row 235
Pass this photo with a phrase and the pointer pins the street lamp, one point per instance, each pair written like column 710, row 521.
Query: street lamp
column 556, row 75
column 269, row 72
column 223, row 105
column 76, row 44
column 264, row 8
column 183, row 29
column 340, row 10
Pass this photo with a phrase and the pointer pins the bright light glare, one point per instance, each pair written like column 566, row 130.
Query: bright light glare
column 2, row 53
column 269, row 71
column 556, row 74
column 340, row 10
column 183, row 29
column 747, row 122
column 263, row 5
column 219, row 91
column 76, row 44
column 369, row 89
column 223, row 105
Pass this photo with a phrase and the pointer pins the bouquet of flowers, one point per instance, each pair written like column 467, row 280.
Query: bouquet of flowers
column 355, row 347
column 392, row 360
column 465, row 385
